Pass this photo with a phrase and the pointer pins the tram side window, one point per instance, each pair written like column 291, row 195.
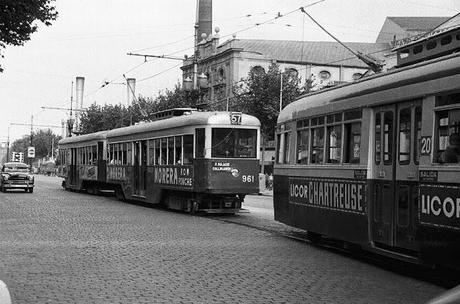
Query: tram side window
column 448, row 128
column 352, row 143
column 178, row 150
column 334, row 135
column 200, row 143
column 129, row 153
column 283, row 148
column 404, row 135
column 124, row 160
column 188, row 149
column 302, row 146
column 317, row 150
column 157, row 159
column 417, row 134
column 151, row 144
column 378, row 138
column 170, row 150
column 164, row 151
column 387, row 137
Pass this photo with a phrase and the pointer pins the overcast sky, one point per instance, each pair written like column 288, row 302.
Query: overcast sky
column 91, row 38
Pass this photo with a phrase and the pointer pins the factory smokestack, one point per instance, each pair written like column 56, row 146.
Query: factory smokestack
column 203, row 18
column 131, row 89
column 79, row 88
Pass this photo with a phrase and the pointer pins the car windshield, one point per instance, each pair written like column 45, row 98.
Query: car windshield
column 16, row 168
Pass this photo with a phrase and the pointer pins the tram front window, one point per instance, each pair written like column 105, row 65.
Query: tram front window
column 233, row 143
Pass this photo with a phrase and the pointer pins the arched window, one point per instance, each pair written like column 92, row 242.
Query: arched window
column 291, row 72
column 324, row 75
column 258, row 70
column 357, row 76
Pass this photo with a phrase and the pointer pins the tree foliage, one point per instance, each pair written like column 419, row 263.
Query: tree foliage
column 107, row 117
column 18, row 20
column 43, row 140
column 259, row 95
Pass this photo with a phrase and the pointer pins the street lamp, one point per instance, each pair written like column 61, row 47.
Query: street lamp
column 188, row 84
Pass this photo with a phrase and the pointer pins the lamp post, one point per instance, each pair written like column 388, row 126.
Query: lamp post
column 202, row 84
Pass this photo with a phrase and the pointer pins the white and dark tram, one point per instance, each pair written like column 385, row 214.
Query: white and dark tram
column 184, row 159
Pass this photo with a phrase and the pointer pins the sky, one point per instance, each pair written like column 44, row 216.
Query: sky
column 91, row 39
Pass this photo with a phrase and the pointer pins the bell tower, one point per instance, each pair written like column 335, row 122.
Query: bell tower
column 203, row 23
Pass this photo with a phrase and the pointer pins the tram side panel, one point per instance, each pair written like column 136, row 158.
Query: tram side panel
column 439, row 222
column 227, row 176
column 334, row 207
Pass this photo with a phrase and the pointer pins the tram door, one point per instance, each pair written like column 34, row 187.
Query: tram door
column 140, row 167
column 73, row 174
column 394, row 196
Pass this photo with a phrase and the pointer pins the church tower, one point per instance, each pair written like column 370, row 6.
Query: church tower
column 203, row 19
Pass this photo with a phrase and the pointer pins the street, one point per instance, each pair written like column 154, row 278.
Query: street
column 68, row 247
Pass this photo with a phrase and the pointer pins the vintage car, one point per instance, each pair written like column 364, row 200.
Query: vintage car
column 16, row 176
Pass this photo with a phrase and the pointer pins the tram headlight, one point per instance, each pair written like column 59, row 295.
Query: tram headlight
column 235, row 172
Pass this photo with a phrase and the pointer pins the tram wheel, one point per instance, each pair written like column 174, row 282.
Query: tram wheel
column 192, row 206
column 120, row 194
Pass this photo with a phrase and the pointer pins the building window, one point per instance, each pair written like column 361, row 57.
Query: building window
column 291, row 73
column 258, row 70
column 357, row 76
column 324, row 75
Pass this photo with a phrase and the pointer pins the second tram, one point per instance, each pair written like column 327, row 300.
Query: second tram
column 185, row 159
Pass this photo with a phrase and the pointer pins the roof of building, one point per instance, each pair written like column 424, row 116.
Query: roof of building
column 317, row 52
column 418, row 23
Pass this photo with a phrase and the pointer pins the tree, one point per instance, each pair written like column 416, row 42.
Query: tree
column 259, row 95
column 107, row 117
column 18, row 20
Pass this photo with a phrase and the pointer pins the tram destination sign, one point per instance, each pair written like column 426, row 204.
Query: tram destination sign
column 343, row 195
column 440, row 206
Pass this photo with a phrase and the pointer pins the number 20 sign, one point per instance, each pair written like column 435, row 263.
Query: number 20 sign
column 426, row 144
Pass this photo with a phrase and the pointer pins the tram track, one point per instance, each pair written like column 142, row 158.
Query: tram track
column 442, row 277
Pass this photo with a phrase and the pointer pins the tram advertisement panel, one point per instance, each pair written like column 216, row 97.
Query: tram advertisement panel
column 440, row 205
column 87, row 172
column 173, row 175
column 329, row 193
column 118, row 173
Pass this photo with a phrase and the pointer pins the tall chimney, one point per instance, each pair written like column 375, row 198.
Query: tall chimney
column 131, row 89
column 79, row 87
column 204, row 18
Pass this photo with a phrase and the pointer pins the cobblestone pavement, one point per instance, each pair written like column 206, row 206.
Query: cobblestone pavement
column 65, row 247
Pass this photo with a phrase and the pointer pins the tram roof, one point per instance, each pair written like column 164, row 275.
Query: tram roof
column 193, row 118
column 334, row 97
column 101, row 135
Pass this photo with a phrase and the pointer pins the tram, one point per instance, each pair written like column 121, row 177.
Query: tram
column 184, row 159
column 376, row 162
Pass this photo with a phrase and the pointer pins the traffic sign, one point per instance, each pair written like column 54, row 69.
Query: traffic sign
column 17, row 157
column 31, row 152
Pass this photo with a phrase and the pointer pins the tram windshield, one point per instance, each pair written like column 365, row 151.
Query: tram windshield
column 234, row 143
